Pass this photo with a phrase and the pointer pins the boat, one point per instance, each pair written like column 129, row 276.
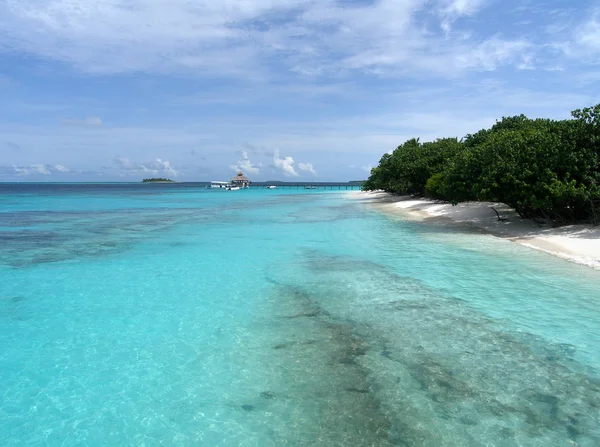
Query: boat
column 310, row 187
column 219, row 185
column 271, row 187
column 232, row 188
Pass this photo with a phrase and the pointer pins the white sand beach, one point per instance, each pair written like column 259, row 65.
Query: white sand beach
column 575, row 243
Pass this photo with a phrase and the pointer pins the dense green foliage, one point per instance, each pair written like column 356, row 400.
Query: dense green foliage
column 543, row 168
column 154, row 180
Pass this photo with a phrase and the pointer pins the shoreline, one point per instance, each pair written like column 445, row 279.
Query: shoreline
column 574, row 243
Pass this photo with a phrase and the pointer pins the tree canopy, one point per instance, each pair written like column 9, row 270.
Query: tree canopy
column 543, row 168
column 157, row 180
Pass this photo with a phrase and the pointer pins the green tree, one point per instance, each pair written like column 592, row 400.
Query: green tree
column 543, row 168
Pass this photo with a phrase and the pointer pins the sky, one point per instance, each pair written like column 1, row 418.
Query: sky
column 195, row 90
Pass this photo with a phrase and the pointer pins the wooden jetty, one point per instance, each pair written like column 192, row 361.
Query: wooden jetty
column 311, row 186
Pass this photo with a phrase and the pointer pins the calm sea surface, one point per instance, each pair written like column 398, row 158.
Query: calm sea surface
column 174, row 315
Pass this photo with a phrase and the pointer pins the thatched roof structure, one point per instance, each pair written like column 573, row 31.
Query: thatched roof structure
column 240, row 178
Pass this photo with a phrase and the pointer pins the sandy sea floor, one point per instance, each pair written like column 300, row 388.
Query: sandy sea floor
column 575, row 243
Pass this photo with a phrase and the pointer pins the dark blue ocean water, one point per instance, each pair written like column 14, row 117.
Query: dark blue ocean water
column 169, row 314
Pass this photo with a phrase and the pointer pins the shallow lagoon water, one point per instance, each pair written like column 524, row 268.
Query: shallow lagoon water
column 173, row 315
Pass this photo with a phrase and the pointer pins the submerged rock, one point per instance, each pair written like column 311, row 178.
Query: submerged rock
column 267, row 395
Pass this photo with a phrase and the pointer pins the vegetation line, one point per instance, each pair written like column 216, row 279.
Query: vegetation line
column 157, row 180
column 545, row 169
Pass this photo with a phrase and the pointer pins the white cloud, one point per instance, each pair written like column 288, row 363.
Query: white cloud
column 37, row 168
column 242, row 39
column 458, row 8
column 307, row 167
column 126, row 163
column 155, row 167
column 451, row 10
column 588, row 35
column 493, row 53
column 125, row 35
column 573, row 39
column 34, row 169
column 61, row 168
column 284, row 165
column 360, row 135
column 245, row 165
column 160, row 166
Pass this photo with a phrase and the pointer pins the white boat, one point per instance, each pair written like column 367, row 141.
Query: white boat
column 271, row 187
column 232, row 188
column 220, row 185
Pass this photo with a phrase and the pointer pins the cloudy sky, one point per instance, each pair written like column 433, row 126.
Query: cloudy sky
column 281, row 89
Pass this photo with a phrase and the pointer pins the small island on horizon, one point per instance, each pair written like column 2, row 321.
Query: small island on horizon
column 157, row 180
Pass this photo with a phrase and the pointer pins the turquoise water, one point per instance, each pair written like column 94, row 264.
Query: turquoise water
column 174, row 315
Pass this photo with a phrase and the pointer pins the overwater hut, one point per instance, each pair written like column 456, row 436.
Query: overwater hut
column 241, row 180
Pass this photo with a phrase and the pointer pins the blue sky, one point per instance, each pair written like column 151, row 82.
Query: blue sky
column 118, row 90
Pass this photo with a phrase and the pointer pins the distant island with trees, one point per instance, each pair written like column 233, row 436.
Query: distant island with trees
column 545, row 169
column 157, row 180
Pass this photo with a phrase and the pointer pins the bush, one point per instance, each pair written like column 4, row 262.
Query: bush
column 542, row 168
